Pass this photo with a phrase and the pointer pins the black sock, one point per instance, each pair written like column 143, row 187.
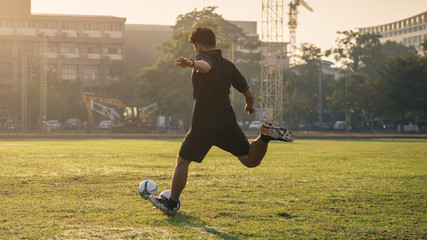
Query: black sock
column 265, row 138
column 171, row 203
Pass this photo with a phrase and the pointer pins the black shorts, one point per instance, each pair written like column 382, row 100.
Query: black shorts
column 196, row 145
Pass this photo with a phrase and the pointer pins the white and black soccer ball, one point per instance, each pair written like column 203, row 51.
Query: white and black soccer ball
column 146, row 188
column 167, row 194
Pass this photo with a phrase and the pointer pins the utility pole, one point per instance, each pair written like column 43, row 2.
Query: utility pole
column 24, row 92
column 320, row 91
column 43, row 82
column 347, row 111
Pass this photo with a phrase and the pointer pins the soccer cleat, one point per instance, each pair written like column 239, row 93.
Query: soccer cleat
column 161, row 204
column 275, row 133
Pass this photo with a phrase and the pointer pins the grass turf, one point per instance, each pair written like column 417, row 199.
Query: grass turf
column 309, row 189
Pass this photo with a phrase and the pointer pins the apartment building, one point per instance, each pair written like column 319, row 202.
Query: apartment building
column 76, row 46
column 410, row 31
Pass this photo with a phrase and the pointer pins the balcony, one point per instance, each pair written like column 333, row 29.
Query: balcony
column 6, row 31
column 26, row 32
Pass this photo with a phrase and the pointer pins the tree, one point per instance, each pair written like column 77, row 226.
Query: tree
column 405, row 84
column 360, row 94
column 363, row 55
column 169, row 86
column 301, row 91
column 356, row 51
column 125, row 88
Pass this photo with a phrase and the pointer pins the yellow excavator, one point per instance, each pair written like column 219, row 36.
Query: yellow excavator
column 125, row 119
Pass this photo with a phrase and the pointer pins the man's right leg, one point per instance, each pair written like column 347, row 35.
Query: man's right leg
column 258, row 148
column 179, row 178
column 257, row 151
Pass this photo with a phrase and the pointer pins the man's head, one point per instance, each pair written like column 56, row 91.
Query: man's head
column 203, row 38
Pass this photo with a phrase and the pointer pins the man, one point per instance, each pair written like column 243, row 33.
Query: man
column 214, row 121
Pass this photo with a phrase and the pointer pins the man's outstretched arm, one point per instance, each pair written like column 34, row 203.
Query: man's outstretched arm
column 200, row 65
column 249, row 99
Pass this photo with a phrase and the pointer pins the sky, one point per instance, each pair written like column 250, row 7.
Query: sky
column 318, row 27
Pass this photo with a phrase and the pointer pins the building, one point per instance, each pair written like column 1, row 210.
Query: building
column 411, row 31
column 77, row 46
column 142, row 42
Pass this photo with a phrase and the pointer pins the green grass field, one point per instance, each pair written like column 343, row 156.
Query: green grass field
column 309, row 189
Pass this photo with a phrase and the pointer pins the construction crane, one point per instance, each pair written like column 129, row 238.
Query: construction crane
column 293, row 16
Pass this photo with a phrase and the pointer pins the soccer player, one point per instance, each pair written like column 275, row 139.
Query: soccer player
column 214, row 121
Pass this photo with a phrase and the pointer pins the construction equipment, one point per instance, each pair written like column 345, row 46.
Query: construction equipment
column 126, row 119
column 293, row 14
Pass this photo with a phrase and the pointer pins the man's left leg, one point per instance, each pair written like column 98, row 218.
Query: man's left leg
column 195, row 147
column 179, row 180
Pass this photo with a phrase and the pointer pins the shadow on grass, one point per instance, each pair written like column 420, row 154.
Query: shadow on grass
column 285, row 215
column 187, row 220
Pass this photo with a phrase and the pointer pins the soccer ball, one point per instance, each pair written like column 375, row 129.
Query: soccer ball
column 146, row 188
column 166, row 194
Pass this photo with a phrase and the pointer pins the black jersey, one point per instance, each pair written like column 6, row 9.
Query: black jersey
column 212, row 110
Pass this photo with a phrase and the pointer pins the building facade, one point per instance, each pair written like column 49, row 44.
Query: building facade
column 142, row 42
column 411, row 31
column 75, row 46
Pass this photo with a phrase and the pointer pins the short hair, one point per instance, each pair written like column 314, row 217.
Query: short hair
column 204, row 36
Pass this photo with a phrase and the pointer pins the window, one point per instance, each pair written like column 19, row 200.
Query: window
column 44, row 24
column 51, row 71
column 69, row 72
column 8, row 23
column 70, row 25
column 6, row 49
column 52, row 48
column 113, row 26
column 108, row 26
column 51, row 68
column 113, row 50
column 69, row 48
column 31, row 24
column 93, row 49
column 21, row 23
column 91, row 26
column 5, row 70
column 415, row 40
column 65, row 25
column 91, row 72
